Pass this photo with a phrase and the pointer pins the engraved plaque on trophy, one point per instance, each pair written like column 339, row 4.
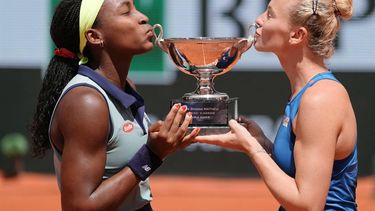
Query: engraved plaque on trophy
column 206, row 58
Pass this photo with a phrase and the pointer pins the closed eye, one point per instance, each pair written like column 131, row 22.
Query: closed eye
column 269, row 15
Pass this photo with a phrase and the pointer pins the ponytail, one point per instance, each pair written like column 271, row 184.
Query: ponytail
column 61, row 69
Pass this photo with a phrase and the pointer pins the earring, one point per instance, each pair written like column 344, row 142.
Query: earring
column 101, row 43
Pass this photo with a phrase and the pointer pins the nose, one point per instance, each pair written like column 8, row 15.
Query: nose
column 260, row 20
column 143, row 18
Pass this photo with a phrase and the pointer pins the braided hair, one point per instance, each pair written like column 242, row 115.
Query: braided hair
column 65, row 34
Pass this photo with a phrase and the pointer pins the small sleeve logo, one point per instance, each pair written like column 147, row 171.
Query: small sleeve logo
column 285, row 121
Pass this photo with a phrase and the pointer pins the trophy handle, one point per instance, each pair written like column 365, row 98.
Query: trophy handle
column 159, row 41
column 245, row 44
column 251, row 33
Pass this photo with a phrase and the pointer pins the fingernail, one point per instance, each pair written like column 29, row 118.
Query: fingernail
column 177, row 106
column 184, row 108
column 189, row 114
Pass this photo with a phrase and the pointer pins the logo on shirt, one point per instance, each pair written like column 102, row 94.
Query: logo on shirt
column 285, row 121
column 128, row 127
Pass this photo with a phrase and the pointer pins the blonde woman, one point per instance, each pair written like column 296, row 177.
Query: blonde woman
column 313, row 163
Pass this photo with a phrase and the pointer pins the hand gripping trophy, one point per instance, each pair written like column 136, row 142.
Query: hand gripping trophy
column 205, row 58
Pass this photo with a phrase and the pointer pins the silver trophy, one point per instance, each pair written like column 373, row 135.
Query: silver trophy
column 205, row 58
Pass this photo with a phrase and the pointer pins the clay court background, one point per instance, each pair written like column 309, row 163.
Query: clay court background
column 38, row 192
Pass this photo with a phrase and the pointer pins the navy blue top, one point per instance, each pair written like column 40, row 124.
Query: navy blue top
column 128, row 98
column 342, row 189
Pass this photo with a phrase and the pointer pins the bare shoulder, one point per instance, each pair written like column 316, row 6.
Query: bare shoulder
column 324, row 106
column 326, row 94
column 83, row 114
column 83, row 101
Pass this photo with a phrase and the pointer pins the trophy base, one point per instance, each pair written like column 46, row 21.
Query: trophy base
column 211, row 116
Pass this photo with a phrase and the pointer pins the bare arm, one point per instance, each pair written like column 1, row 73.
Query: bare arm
column 82, row 122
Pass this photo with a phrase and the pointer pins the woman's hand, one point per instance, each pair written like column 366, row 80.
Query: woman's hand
column 257, row 133
column 165, row 137
column 252, row 127
column 238, row 138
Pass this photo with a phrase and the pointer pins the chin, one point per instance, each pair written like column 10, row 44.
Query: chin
column 259, row 47
column 149, row 46
column 145, row 50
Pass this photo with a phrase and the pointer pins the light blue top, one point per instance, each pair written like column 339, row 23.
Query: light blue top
column 342, row 189
column 128, row 133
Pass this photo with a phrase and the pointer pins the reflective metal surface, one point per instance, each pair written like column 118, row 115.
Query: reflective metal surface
column 194, row 56
column 204, row 58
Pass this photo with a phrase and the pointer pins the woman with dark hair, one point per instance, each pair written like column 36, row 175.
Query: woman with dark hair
column 313, row 163
column 90, row 115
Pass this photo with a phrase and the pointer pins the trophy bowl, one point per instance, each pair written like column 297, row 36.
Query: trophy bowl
column 205, row 58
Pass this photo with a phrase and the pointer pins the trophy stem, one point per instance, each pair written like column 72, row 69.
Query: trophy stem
column 205, row 83
column 205, row 89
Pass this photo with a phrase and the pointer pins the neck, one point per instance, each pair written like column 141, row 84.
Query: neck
column 115, row 69
column 300, row 66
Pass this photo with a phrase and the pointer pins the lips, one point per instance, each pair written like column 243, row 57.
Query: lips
column 149, row 33
column 257, row 34
column 149, row 30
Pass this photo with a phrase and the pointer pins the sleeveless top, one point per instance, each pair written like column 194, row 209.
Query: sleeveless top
column 128, row 124
column 342, row 188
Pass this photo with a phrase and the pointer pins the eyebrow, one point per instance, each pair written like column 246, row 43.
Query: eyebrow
column 125, row 3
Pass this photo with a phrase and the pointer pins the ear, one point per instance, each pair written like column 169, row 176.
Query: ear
column 94, row 37
column 298, row 35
